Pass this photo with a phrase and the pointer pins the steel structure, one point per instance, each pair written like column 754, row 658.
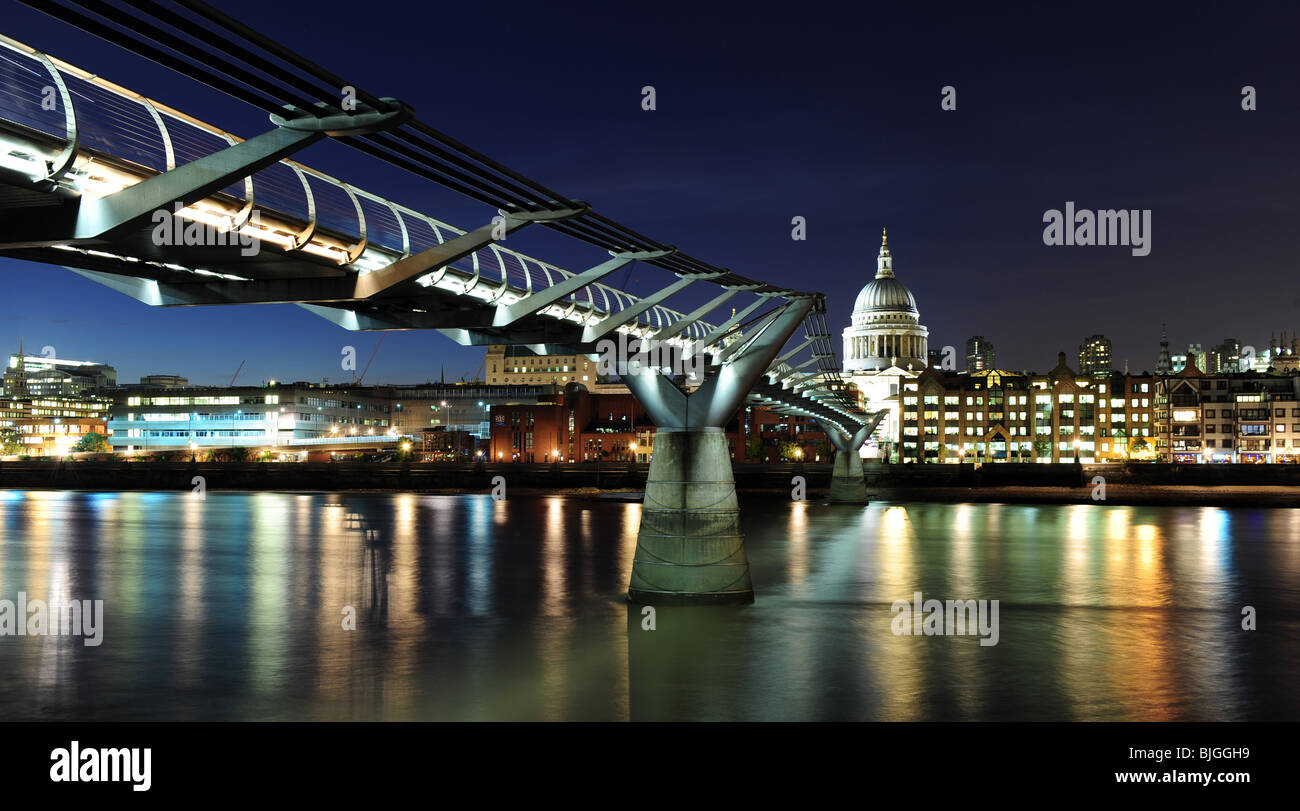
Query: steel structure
column 110, row 184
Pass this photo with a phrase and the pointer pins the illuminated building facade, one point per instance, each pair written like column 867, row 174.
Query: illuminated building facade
column 885, row 347
column 290, row 418
column 576, row 425
column 999, row 416
column 460, row 407
column 48, row 376
column 980, row 354
column 52, row 426
column 1236, row 417
column 1095, row 354
column 520, row 366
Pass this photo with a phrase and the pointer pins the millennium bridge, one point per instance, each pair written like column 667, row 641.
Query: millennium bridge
column 92, row 174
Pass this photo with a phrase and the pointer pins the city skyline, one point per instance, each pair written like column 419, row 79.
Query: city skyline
column 376, row 375
column 964, row 209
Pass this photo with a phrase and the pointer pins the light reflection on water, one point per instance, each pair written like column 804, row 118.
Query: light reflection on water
column 233, row 607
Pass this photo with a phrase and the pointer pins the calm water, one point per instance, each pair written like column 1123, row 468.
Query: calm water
column 231, row 608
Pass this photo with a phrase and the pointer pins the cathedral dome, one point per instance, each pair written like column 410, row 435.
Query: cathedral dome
column 885, row 293
column 885, row 329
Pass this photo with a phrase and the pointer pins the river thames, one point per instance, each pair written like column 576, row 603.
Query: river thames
column 234, row 606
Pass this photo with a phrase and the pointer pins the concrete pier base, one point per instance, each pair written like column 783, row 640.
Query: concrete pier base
column 689, row 550
column 847, row 483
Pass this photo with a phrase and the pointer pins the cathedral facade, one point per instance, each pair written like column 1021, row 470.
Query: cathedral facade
column 885, row 347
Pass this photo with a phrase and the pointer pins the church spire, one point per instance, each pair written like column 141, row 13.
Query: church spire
column 884, row 262
column 1164, row 363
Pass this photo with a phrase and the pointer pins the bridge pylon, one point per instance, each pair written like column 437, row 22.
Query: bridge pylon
column 848, row 485
column 689, row 549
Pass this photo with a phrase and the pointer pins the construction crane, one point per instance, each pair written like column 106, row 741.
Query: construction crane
column 372, row 358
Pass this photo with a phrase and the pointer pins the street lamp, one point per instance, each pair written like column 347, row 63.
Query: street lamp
column 1076, row 451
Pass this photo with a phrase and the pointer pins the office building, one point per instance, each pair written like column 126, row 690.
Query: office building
column 1095, row 355
column 980, row 355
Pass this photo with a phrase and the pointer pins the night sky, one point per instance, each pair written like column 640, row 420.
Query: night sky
column 768, row 112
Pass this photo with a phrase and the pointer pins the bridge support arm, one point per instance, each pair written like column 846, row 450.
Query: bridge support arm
column 689, row 547
column 848, row 485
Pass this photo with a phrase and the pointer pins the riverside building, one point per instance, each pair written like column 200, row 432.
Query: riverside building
column 1000, row 416
column 287, row 419
column 1249, row 417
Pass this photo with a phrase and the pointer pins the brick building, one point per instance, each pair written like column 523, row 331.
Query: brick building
column 583, row 426
column 999, row 416
column 1248, row 417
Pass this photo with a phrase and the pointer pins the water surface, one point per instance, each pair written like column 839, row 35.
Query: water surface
column 232, row 607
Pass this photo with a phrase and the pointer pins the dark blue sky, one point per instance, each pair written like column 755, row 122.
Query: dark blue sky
column 765, row 113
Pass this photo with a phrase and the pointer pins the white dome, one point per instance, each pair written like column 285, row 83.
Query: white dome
column 885, row 328
column 885, row 293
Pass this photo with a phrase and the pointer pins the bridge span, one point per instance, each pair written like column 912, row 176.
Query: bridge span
column 112, row 185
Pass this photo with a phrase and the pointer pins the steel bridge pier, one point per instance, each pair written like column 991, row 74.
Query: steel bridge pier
column 689, row 548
